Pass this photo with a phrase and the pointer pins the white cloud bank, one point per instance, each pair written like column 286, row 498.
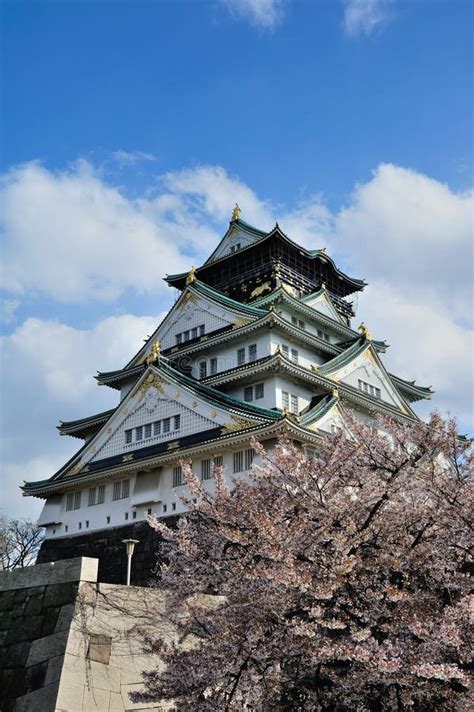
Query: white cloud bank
column 408, row 235
column 362, row 17
column 266, row 14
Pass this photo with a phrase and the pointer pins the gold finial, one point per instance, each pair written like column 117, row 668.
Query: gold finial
column 191, row 276
column 323, row 285
column 365, row 333
column 154, row 352
column 236, row 213
column 335, row 392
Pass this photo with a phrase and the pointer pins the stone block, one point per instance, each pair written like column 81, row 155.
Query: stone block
column 55, row 666
column 45, row 648
column 65, row 617
column 25, row 629
column 99, row 648
column 59, row 594
column 133, row 666
column 50, row 618
column 78, row 569
column 35, row 676
column 95, row 700
column 116, row 704
column 70, row 695
column 103, row 677
column 34, row 605
column 16, row 655
column 43, row 700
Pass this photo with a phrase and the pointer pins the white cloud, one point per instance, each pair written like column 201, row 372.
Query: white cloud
column 8, row 309
column 266, row 14
column 362, row 17
column 129, row 158
column 413, row 232
column 71, row 236
column 49, row 371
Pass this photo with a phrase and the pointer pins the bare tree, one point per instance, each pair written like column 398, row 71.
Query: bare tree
column 20, row 541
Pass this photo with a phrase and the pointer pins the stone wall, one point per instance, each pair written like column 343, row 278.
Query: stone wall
column 70, row 644
column 106, row 545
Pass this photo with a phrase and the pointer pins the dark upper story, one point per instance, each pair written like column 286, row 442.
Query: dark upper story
column 265, row 262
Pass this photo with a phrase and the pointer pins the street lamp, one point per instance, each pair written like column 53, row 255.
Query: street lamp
column 130, row 544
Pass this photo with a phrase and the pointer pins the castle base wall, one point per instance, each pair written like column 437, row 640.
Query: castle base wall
column 70, row 644
column 106, row 546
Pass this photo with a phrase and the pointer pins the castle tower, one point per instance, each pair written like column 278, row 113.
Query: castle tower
column 259, row 340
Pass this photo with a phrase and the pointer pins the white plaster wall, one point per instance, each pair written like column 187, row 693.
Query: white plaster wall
column 227, row 355
column 311, row 326
column 202, row 311
column 269, row 390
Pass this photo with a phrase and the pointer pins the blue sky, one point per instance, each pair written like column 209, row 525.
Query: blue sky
column 130, row 129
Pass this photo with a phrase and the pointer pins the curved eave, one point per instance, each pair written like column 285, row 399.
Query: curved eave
column 246, row 227
column 115, row 379
column 410, row 390
column 44, row 488
column 81, row 428
column 179, row 280
column 319, row 410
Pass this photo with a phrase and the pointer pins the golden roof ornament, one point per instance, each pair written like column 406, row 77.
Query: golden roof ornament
column 335, row 392
column 154, row 352
column 191, row 276
column 236, row 213
column 365, row 333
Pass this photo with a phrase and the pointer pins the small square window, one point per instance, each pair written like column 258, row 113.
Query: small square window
column 126, row 516
column 173, row 506
column 107, row 519
column 165, row 508
column 66, row 528
column 148, row 511
column 128, row 436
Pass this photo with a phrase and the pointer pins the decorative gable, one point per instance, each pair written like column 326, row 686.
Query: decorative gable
column 321, row 302
column 238, row 236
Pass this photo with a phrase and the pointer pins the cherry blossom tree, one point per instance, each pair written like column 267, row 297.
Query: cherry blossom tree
column 333, row 583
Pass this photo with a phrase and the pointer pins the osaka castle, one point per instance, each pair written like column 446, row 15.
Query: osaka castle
column 260, row 340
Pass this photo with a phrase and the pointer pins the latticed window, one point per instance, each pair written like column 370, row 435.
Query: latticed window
column 92, row 497
column 240, row 357
column 148, row 430
column 252, row 352
column 139, row 433
column 77, row 500
column 294, row 355
column 101, row 494
column 259, row 391
column 202, row 369
column 128, row 436
column 238, row 461
column 166, row 425
column 202, row 329
column 218, row 460
column 294, row 404
column 248, row 393
column 285, row 350
column 177, row 476
column 157, row 428
column 205, row 469
column 249, row 458
column 121, row 489
column 213, row 365
column 177, row 422
column 368, row 388
column 285, row 400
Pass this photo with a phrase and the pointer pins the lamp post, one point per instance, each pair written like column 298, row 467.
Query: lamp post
column 130, row 544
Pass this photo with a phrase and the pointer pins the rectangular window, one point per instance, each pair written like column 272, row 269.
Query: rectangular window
column 66, row 528
column 173, row 506
column 179, row 338
column 327, row 337
column 139, row 433
column 301, row 324
column 79, row 526
column 166, row 425
column 186, row 335
column 194, row 332
column 240, row 357
column 259, row 391
column 92, row 497
column 117, row 490
column 157, row 428
column 125, row 488
column 107, row 519
column 202, row 329
column 177, row 476
column 252, row 352
column 285, row 399
column 294, row 404
column 294, row 320
column 213, row 364
column 285, row 350
column 165, row 508
column 218, row 460
column 248, row 394
column 77, row 500
column 248, row 458
column 294, row 355
column 126, row 516
column 205, row 469
column 128, row 436
column 148, row 430
column 70, row 502
column 324, row 335
column 238, row 461
column 369, row 389
column 377, row 393
column 87, row 524
column 177, row 422
column 101, row 494
column 202, row 369
column 134, row 514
